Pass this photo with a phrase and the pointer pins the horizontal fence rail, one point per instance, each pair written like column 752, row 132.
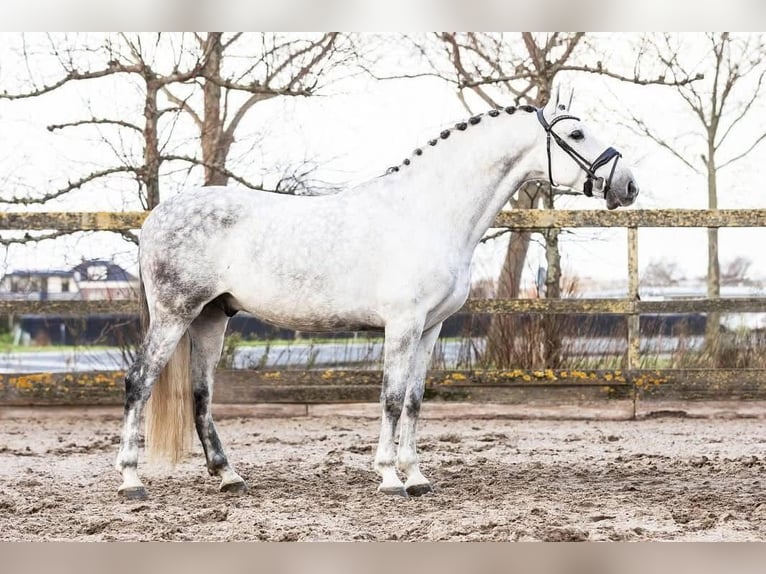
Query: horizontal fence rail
column 69, row 308
column 616, row 306
column 538, row 219
column 489, row 306
column 516, row 386
column 519, row 219
column 73, row 221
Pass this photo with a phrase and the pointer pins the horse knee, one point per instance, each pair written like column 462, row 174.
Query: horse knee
column 412, row 407
column 392, row 405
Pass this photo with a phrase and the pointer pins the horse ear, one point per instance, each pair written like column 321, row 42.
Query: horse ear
column 563, row 99
column 551, row 107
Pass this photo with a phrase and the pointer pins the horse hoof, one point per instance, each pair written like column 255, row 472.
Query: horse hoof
column 419, row 489
column 393, row 490
column 133, row 493
column 239, row 487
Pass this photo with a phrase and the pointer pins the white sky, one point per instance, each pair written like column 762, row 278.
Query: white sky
column 356, row 133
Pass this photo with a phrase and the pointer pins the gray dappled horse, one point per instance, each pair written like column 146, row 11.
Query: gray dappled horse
column 393, row 253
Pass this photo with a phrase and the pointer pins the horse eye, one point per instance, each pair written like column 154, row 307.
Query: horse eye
column 577, row 135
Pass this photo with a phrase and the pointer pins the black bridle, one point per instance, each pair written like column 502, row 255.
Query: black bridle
column 606, row 156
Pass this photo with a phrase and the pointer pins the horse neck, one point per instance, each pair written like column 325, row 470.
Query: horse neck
column 472, row 175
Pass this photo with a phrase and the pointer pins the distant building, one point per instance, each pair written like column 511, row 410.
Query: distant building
column 104, row 280
column 91, row 280
column 39, row 285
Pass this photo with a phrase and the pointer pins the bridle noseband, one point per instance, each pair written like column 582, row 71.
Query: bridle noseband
column 606, row 156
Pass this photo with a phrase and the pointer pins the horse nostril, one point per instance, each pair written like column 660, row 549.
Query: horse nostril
column 632, row 189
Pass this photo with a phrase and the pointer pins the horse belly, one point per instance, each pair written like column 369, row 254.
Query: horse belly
column 309, row 314
column 318, row 323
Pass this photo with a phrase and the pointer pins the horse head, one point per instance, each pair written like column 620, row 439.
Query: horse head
column 577, row 158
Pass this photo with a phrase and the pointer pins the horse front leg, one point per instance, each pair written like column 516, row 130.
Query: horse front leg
column 401, row 342
column 407, row 460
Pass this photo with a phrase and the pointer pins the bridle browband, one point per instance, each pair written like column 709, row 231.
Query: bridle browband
column 606, row 156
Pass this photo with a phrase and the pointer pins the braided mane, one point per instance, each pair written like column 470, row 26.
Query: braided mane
column 460, row 126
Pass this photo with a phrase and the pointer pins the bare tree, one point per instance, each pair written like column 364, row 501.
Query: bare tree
column 524, row 67
column 121, row 54
column 265, row 66
column 734, row 83
column 277, row 65
column 735, row 271
column 662, row 273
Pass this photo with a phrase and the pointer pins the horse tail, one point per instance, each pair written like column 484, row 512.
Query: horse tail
column 170, row 409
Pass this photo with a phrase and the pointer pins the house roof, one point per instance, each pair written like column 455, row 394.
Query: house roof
column 113, row 271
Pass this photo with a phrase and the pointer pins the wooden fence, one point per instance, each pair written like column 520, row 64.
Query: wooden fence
column 632, row 383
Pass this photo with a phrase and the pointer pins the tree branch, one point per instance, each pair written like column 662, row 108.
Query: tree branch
column 95, row 121
column 571, row 45
column 69, row 187
column 218, row 168
column 240, row 113
column 375, row 76
column 231, row 40
column 27, row 238
column 318, row 57
column 493, row 236
column 298, row 53
column 74, row 75
column 462, row 72
column 256, row 87
column 744, row 153
column 183, row 105
column 645, row 130
column 745, row 109
column 659, row 80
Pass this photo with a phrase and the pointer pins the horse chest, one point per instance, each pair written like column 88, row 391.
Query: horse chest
column 451, row 298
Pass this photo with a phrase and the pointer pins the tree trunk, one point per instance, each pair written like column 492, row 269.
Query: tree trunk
column 214, row 149
column 151, row 170
column 552, row 351
column 505, row 347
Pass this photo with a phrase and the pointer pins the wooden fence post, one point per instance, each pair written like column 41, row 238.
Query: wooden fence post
column 634, row 319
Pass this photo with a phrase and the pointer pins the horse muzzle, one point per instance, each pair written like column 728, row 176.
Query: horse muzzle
column 622, row 195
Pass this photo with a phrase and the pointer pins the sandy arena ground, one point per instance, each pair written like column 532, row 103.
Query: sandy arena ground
column 662, row 478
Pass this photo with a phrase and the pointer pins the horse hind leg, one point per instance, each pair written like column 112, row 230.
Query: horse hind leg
column 161, row 340
column 207, row 335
